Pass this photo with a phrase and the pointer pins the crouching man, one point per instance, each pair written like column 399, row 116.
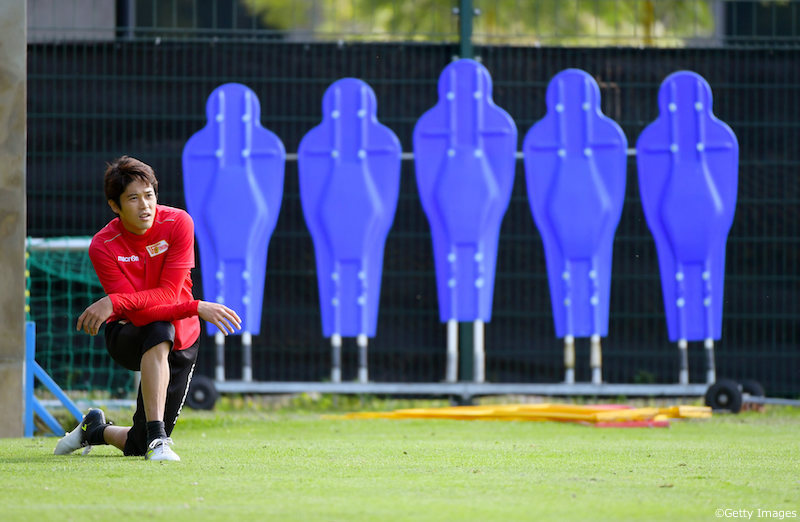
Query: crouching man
column 143, row 259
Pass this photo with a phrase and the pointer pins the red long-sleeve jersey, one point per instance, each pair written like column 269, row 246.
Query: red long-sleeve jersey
column 148, row 276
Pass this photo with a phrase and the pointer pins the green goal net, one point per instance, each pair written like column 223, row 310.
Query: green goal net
column 61, row 283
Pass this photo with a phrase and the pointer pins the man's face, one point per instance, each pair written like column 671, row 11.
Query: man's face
column 137, row 207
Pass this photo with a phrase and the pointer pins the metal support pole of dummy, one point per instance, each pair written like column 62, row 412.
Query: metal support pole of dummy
column 478, row 353
column 683, row 350
column 711, row 372
column 596, row 360
column 363, row 373
column 336, row 358
column 452, row 351
column 569, row 359
column 219, row 342
column 247, row 357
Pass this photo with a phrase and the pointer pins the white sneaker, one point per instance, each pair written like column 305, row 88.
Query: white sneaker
column 76, row 438
column 160, row 450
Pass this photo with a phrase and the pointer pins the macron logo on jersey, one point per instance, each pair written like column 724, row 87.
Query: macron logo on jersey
column 128, row 259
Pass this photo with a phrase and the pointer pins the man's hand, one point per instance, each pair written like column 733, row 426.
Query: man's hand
column 93, row 317
column 220, row 316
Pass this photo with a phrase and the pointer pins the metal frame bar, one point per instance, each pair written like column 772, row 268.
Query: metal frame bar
column 465, row 389
column 32, row 404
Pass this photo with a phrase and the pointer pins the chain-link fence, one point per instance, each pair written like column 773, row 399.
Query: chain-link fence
column 134, row 80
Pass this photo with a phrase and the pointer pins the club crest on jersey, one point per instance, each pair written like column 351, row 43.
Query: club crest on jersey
column 157, row 248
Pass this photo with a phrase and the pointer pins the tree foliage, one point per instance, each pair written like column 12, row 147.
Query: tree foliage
column 587, row 22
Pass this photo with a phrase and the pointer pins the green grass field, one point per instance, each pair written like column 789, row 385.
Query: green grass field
column 257, row 464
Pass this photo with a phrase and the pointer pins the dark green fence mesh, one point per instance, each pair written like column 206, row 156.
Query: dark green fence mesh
column 61, row 282
column 91, row 101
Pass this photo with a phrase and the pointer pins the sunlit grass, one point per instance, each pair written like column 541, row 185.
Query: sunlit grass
column 253, row 459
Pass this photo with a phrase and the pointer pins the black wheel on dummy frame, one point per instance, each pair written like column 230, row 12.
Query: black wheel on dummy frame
column 724, row 395
column 202, row 394
column 753, row 388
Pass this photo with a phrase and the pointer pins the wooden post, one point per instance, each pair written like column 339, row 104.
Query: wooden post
column 13, row 113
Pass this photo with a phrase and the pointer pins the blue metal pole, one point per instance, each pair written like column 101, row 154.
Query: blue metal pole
column 58, row 392
column 32, row 405
column 30, row 353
